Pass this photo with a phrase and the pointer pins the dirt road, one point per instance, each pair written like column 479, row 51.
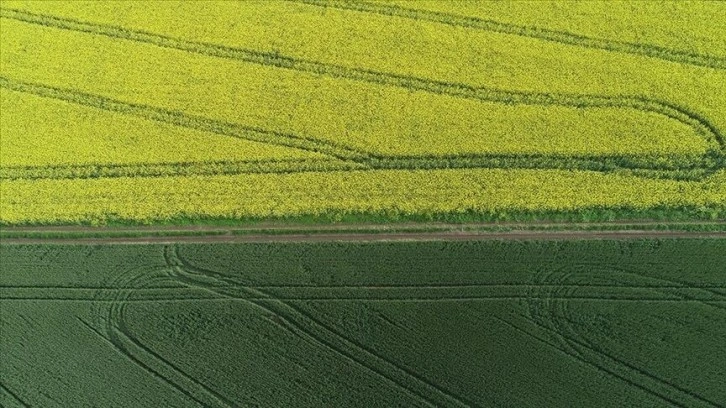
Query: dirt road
column 340, row 233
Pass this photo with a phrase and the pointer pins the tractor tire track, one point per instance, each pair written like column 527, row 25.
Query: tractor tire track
column 4, row 390
column 553, row 315
column 576, row 354
column 559, row 315
column 209, row 168
column 682, row 169
column 540, row 299
column 284, row 322
column 183, row 120
column 111, row 316
column 410, row 382
column 540, row 315
column 113, row 342
column 677, row 288
column 409, row 299
column 104, row 317
column 121, row 336
column 458, row 400
column 168, row 370
column 683, row 285
column 539, row 33
column 384, row 287
column 670, row 110
column 346, row 158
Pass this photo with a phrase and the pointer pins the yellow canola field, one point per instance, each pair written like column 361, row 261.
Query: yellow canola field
column 383, row 119
column 438, row 51
column 121, row 92
column 396, row 192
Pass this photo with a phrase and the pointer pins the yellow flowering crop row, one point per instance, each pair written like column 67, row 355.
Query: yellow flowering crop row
column 390, row 191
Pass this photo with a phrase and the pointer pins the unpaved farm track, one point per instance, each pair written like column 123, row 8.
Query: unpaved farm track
column 277, row 225
column 362, row 232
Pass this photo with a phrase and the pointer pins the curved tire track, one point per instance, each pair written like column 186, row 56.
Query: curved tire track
column 553, row 316
column 686, row 397
column 111, row 317
column 537, row 315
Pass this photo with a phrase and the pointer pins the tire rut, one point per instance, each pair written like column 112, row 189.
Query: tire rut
column 313, row 330
column 540, row 33
column 5, row 390
column 111, row 317
column 553, row 316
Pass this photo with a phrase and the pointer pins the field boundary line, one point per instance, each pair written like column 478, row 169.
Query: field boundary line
column 375, row 237
column 539, row 33
column 399, row 225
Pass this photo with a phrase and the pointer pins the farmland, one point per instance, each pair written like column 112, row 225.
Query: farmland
column 362, row 203
column 132, row 113
column 476, row 323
